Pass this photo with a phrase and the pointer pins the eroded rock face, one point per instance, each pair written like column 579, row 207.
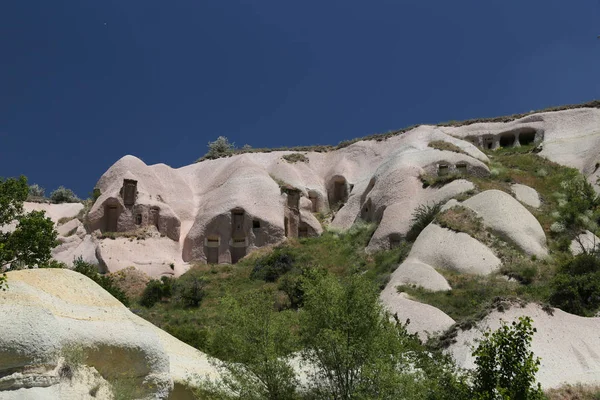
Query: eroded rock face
column 217, row 211
column 46, row 312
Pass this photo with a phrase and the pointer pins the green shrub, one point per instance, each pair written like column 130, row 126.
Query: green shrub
column 505, row 364
column 106, row 281
column 96, row 193
column 218, row 149
column 295, row 157
column 53, row 264
column 153, row 293
column 270, row 267
column 423, row 215
column 63, row 195
column 576, row 285
column 192, row 335
column 189, row 288
column 577, row 204
column 36, row 191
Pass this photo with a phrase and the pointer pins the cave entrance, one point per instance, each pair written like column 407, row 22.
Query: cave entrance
column 154, row 214
column 526, row 137
column 112, row 218
column 238, row 249
column 211, row 249
column 507, row 140
column 338, row 193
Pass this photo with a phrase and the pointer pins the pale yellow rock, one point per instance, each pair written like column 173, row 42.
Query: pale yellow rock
column 46, row 311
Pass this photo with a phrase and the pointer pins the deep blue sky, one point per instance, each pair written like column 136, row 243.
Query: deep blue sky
column 84, row 82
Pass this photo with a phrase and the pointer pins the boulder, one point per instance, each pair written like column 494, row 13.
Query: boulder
column 584, row 242
column 456, row 251
column 526, row 195
column 509, row 220
column 47, row 312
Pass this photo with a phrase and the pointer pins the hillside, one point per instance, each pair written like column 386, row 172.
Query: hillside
column 459, row 226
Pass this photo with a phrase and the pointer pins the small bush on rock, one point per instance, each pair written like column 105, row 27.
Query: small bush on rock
column 63, row 195
column 423, row 215
column 218, row 149
column 36, row 192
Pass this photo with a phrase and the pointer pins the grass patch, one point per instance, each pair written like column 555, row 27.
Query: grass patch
column 474, row 295
column 437, row 181
column 295, row 157
column 138, row 234
column 64, row 220
column 461, row 219
column 445, row 146
column 577, row 391
column 341, row 254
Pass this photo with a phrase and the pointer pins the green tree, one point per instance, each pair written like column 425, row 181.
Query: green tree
column 33, row 238
column 356, row 350
column 576, row 286
column 218, row 149
column 506, row 366
column 255, row 341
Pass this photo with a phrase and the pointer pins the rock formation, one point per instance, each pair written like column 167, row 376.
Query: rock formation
column 47, row 313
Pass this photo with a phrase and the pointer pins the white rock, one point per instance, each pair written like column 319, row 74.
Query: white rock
column 508, row 219
column 586, row 241
column 526, row 195
column 456, row 251
column 424, row 319
column 46, row 310
column 414, row 272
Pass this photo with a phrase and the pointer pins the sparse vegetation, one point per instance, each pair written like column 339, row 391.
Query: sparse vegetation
column 437, row 181
column 218, row 149
column 138, row 234
column 423, row 215
column 63, row 195
column 74, row 357
column 36, row 194
column 445, row 146
column 295, row 157
column 574, row 392
column 461, row 219
column 64, row 220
